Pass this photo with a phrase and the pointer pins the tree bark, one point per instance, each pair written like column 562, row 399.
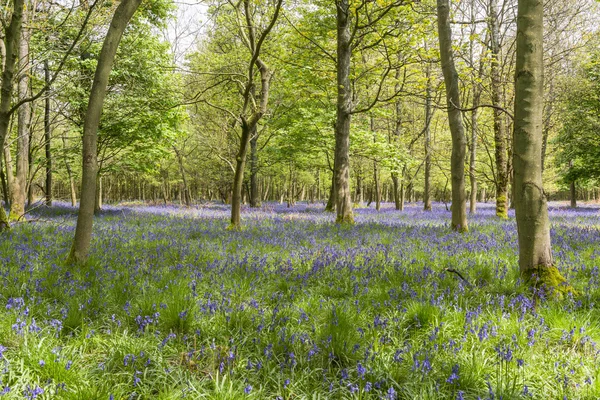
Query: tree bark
column 343, row 198
column 85, row 217
column 48, row 137
column 573, row 194
column 427, row 188
column 254, row 194
column 500, row 133
column 330, row 206
column 474, row 114
column 98, row 197
column 459, row 200
column 238, row 179
column 533, row 226
column 69, row 175
column 4, row 183
column 402, row 196
column 12, row 41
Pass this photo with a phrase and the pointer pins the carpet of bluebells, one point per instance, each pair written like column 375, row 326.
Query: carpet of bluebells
column 174, row 305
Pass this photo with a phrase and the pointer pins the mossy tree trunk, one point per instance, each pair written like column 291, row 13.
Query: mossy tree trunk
column 500, row 133
column 533, row 225
column 343, row 200
column 85, row 216
column 457, row 130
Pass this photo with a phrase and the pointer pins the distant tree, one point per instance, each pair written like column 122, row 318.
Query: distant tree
column 578, row 141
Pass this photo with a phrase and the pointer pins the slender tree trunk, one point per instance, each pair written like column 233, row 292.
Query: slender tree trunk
column 459, row 200
column 500, row 133
column 375, row 169
column 47, row 138
column 474, row 114
column 377, row 187
column 254, row 195
column 573, row 194
column 4, row 225
column 4, row 183
column 70, row 175
column 342, row 126
column 396, row 190
column 402, row 196
column 238, row 180
column 427, row 188
column 98, row 197
column 330, row 207
column 398, row 197
column 85, row 217
column 533, row 226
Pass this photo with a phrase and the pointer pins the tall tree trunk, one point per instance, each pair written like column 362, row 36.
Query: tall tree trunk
column 500, row 133
column 19, row 189
column 254, row 195
column 12, row 42
column 358, row 196
column 459, row 199
column 69, row 175
column 330, row 206
column 402, row 196
column 375, row 169
column 186, row 190
column 342, row 125
column 533, row 225
column 396, row 190
column 572, row 187
column 4, row 183
column 4, row 225
column 98, row 197
column 238, row 179
column 398, row 199
column 377, row 187
column 474, row 114
column 48, row 137
column 85, row 217
column 427, row 188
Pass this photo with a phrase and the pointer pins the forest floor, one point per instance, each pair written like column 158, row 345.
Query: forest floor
column 172, row 305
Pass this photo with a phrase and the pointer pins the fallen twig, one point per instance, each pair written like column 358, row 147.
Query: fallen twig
column 459, row 275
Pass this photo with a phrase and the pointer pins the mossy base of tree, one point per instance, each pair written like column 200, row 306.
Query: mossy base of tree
column 234, row 227
column 345, row 220
column 549, row 278
column 4, row 225
column 459, row 228
column 16, row 215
